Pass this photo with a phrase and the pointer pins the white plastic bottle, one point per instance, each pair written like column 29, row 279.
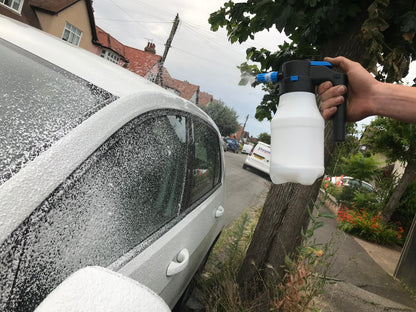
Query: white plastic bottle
column 297, row 140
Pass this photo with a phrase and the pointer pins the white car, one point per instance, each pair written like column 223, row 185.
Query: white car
column 342, row 181
column 98, row 167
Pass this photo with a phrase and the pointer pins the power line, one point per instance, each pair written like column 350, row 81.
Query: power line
column 197, row 29
column 132, row 20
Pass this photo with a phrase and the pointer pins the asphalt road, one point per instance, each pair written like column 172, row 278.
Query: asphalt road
column 242, row 187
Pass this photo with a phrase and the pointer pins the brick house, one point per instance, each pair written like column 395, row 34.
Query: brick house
column 110, row 48
column 205, row 99
column 70, row 20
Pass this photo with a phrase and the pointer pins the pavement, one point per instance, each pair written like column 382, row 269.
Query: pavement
column 361, row 275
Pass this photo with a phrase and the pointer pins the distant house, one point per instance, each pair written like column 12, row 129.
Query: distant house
column 70, row 20
column 20, row 10
column 110, row 48
column 205, row 99
column 143, row 63
column 186, row 90
column 241, row 135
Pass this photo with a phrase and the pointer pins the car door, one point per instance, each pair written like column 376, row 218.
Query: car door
column 168, row 264
column 126, row 207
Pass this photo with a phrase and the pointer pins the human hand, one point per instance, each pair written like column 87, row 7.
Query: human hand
column 361, row 90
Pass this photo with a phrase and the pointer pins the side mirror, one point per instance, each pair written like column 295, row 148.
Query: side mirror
column 96, row 289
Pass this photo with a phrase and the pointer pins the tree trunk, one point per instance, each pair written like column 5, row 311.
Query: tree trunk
column 278, row 232
column 408, row 177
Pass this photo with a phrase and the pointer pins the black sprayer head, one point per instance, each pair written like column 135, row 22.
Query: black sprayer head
column 304, row 76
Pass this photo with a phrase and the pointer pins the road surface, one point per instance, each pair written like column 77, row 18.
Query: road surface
column 242, row 187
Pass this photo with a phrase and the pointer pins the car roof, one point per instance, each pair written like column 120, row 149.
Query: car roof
column 136, row 95
column 74, row 59
column 262, row 143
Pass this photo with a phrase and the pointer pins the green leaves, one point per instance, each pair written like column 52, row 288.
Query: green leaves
column 361, row 167
column 223, row 116
column 217, row 19
column 395, row 139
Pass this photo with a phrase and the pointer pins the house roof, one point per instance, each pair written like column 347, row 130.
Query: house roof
column 205, row 98
column 186, row 89
column 140, row 62
column 55, row 6
column 106, row 40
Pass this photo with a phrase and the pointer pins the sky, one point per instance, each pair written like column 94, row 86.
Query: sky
column 197, row 55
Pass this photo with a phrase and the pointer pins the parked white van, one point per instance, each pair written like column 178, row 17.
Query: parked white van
column 259, row 158
column 246, row 149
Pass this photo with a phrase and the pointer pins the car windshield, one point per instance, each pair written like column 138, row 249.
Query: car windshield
column 39, row 103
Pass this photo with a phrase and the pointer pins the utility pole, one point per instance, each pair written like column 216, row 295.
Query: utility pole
column 159, row 77
column 242, row 132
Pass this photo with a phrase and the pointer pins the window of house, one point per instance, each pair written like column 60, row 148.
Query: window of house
column 71, row 34
column 15, row 5
column 110, row 55
column 206, row 165
column 151, row 77
column 126, row 191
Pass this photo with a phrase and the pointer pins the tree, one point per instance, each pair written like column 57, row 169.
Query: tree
column 264, row 137
column 371, row 32
column 397, row 141
column 223, row 116
column 361, row 167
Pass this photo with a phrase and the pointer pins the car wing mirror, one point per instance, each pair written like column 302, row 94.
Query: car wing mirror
column 97, row 289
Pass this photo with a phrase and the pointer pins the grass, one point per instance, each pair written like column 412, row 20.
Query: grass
column 304, row 280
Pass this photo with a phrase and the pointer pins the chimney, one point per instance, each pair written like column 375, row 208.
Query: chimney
column 151, row 48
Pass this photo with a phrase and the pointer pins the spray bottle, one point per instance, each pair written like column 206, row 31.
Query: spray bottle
column 297, row 128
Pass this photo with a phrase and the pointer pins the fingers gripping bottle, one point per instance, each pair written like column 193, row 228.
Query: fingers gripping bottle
column 297, row 129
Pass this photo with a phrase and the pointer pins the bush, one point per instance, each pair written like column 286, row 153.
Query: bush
column 347, row 195
column 367, row 199
column 368, row 226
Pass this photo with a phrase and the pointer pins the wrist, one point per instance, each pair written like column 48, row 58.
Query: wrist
column 378, row 95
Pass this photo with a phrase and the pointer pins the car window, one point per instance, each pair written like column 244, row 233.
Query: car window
column 39, row 104
column 127, row 190
column 206, row 165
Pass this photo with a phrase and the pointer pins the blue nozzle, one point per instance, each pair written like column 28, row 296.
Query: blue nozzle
column 267, row 77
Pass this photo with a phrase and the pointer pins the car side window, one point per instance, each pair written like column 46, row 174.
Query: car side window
column 206, row 165
column 126, row 191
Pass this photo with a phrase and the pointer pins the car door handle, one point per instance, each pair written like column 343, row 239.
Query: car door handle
column 219, row 212
column 182, row 260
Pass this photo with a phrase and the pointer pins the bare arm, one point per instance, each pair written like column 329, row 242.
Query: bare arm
column 367, row 96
